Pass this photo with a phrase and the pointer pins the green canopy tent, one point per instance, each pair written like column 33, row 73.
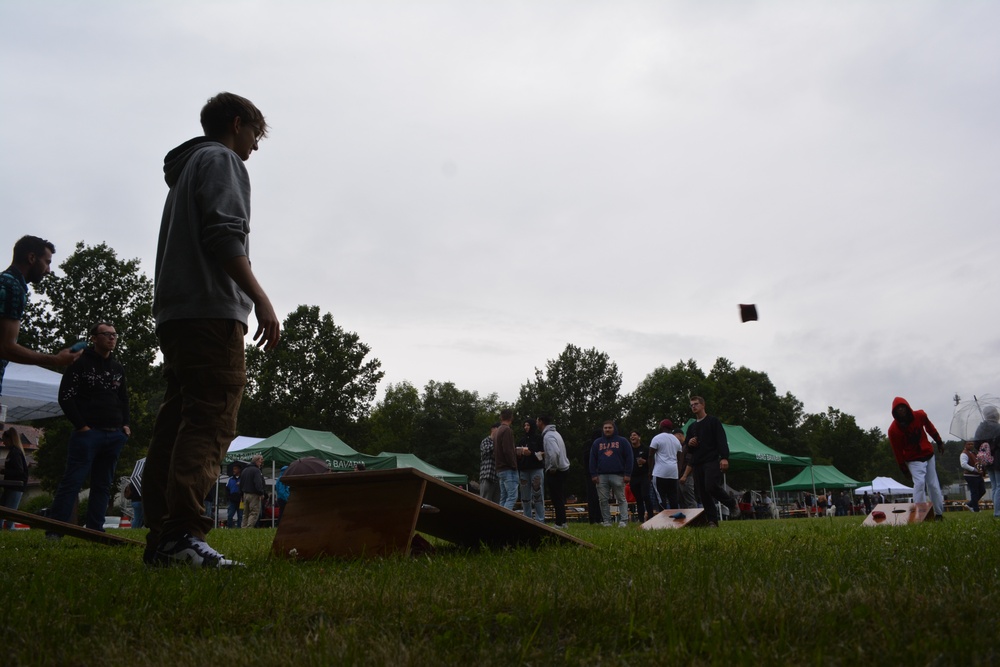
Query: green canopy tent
column 295, row 443
column 747, row 453
column 413, row 461
column 826, row 477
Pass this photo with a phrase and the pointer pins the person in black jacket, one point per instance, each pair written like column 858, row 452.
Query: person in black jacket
column 94, row 397
column 709, row 460
column 15, row 473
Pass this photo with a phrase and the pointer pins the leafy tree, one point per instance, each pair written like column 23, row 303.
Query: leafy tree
column 834, row 438
column 579, row 389
column 748, row 398
column 95, row 285
column 393, row 424
column 665, row 393
column 317, row 378
column 451, row 424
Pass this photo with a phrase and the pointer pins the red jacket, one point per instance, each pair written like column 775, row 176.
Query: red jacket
column 909, row 441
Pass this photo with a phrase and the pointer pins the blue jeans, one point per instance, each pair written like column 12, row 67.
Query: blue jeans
column 234, row 512
column 137, row 514
column 533, row 493
column 94, row 452
column 995, row 483
column 11, row 500
column 605, row 485
column 508, row 488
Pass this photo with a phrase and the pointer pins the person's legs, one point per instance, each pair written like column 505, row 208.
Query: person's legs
column 689, row 497
column 536, row 489
column 977, row 489
column 137, row 514
column 489, row 490
column 79, row 458
column 231, row 514
column 603, row 492
column 556, row 481
column 995, row 486
column 918, row 471
column 205, row 359
column 10, row 499
column 934, row 487
column 524, row 491
column 108, row 446
column 617, row 483
column 640, row 492
column 251, row 511
column 669, row 490
column 704, row 494
column 508, row 488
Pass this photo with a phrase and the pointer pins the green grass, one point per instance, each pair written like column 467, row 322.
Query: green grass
column 791, row 592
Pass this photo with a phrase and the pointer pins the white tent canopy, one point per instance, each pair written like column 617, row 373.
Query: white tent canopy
column 30, row 392
column 886, row 485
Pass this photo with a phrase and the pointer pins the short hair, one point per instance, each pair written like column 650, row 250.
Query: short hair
column 27, row 245
column 495, row 425
column 506, row 415
column 608, row 421
column 220, row 111
column 699, row 399
column 257, row 457
column 545, row 419
column 97, row 325
column 634, row 430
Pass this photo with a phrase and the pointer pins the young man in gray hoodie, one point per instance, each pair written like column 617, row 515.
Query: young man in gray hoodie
column 203, row 292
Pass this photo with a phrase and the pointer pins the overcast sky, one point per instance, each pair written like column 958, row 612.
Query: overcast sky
column 471, row 186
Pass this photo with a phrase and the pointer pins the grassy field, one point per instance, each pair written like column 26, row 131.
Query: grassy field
column 792, row 592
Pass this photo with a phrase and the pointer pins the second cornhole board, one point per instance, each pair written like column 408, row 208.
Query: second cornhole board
column 63, row 528
column 377, row 513
column 692, row 517
column 900, row 514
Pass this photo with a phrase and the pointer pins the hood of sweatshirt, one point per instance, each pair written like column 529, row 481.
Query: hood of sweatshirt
column 173, row 163
column 898, row 401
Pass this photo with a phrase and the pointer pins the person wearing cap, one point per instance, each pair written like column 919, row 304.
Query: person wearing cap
column 666, row 449
column 914, row 453
column 253, row 490
column 709, row 462
column 32, row 261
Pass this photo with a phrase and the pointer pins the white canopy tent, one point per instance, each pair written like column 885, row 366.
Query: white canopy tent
column 30, row 392
column 886, row 485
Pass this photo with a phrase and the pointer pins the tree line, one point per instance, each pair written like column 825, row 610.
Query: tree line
column 323, row 377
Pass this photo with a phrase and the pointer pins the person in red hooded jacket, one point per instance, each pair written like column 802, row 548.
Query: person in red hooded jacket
column 914, row 453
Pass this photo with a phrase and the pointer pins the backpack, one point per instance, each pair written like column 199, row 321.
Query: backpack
column 984, row 457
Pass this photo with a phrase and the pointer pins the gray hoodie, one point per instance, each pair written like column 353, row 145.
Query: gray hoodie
column 206, row 222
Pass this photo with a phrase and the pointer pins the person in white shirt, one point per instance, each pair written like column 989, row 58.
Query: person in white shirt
column 665, row 449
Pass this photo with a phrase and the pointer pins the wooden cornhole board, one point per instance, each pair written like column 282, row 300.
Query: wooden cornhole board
column 63, row 528
column 692, row 517
column 376, row 513
column 900, row 514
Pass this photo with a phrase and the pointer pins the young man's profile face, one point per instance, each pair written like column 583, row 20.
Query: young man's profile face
column 246, row 137
column 39, row 267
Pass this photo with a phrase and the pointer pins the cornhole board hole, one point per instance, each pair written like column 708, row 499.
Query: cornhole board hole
column 692, row 517
column 900, row 514
column 63, row 528
column 377, row 512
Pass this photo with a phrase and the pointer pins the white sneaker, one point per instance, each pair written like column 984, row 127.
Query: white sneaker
column 193, row 551
column 622, row 524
